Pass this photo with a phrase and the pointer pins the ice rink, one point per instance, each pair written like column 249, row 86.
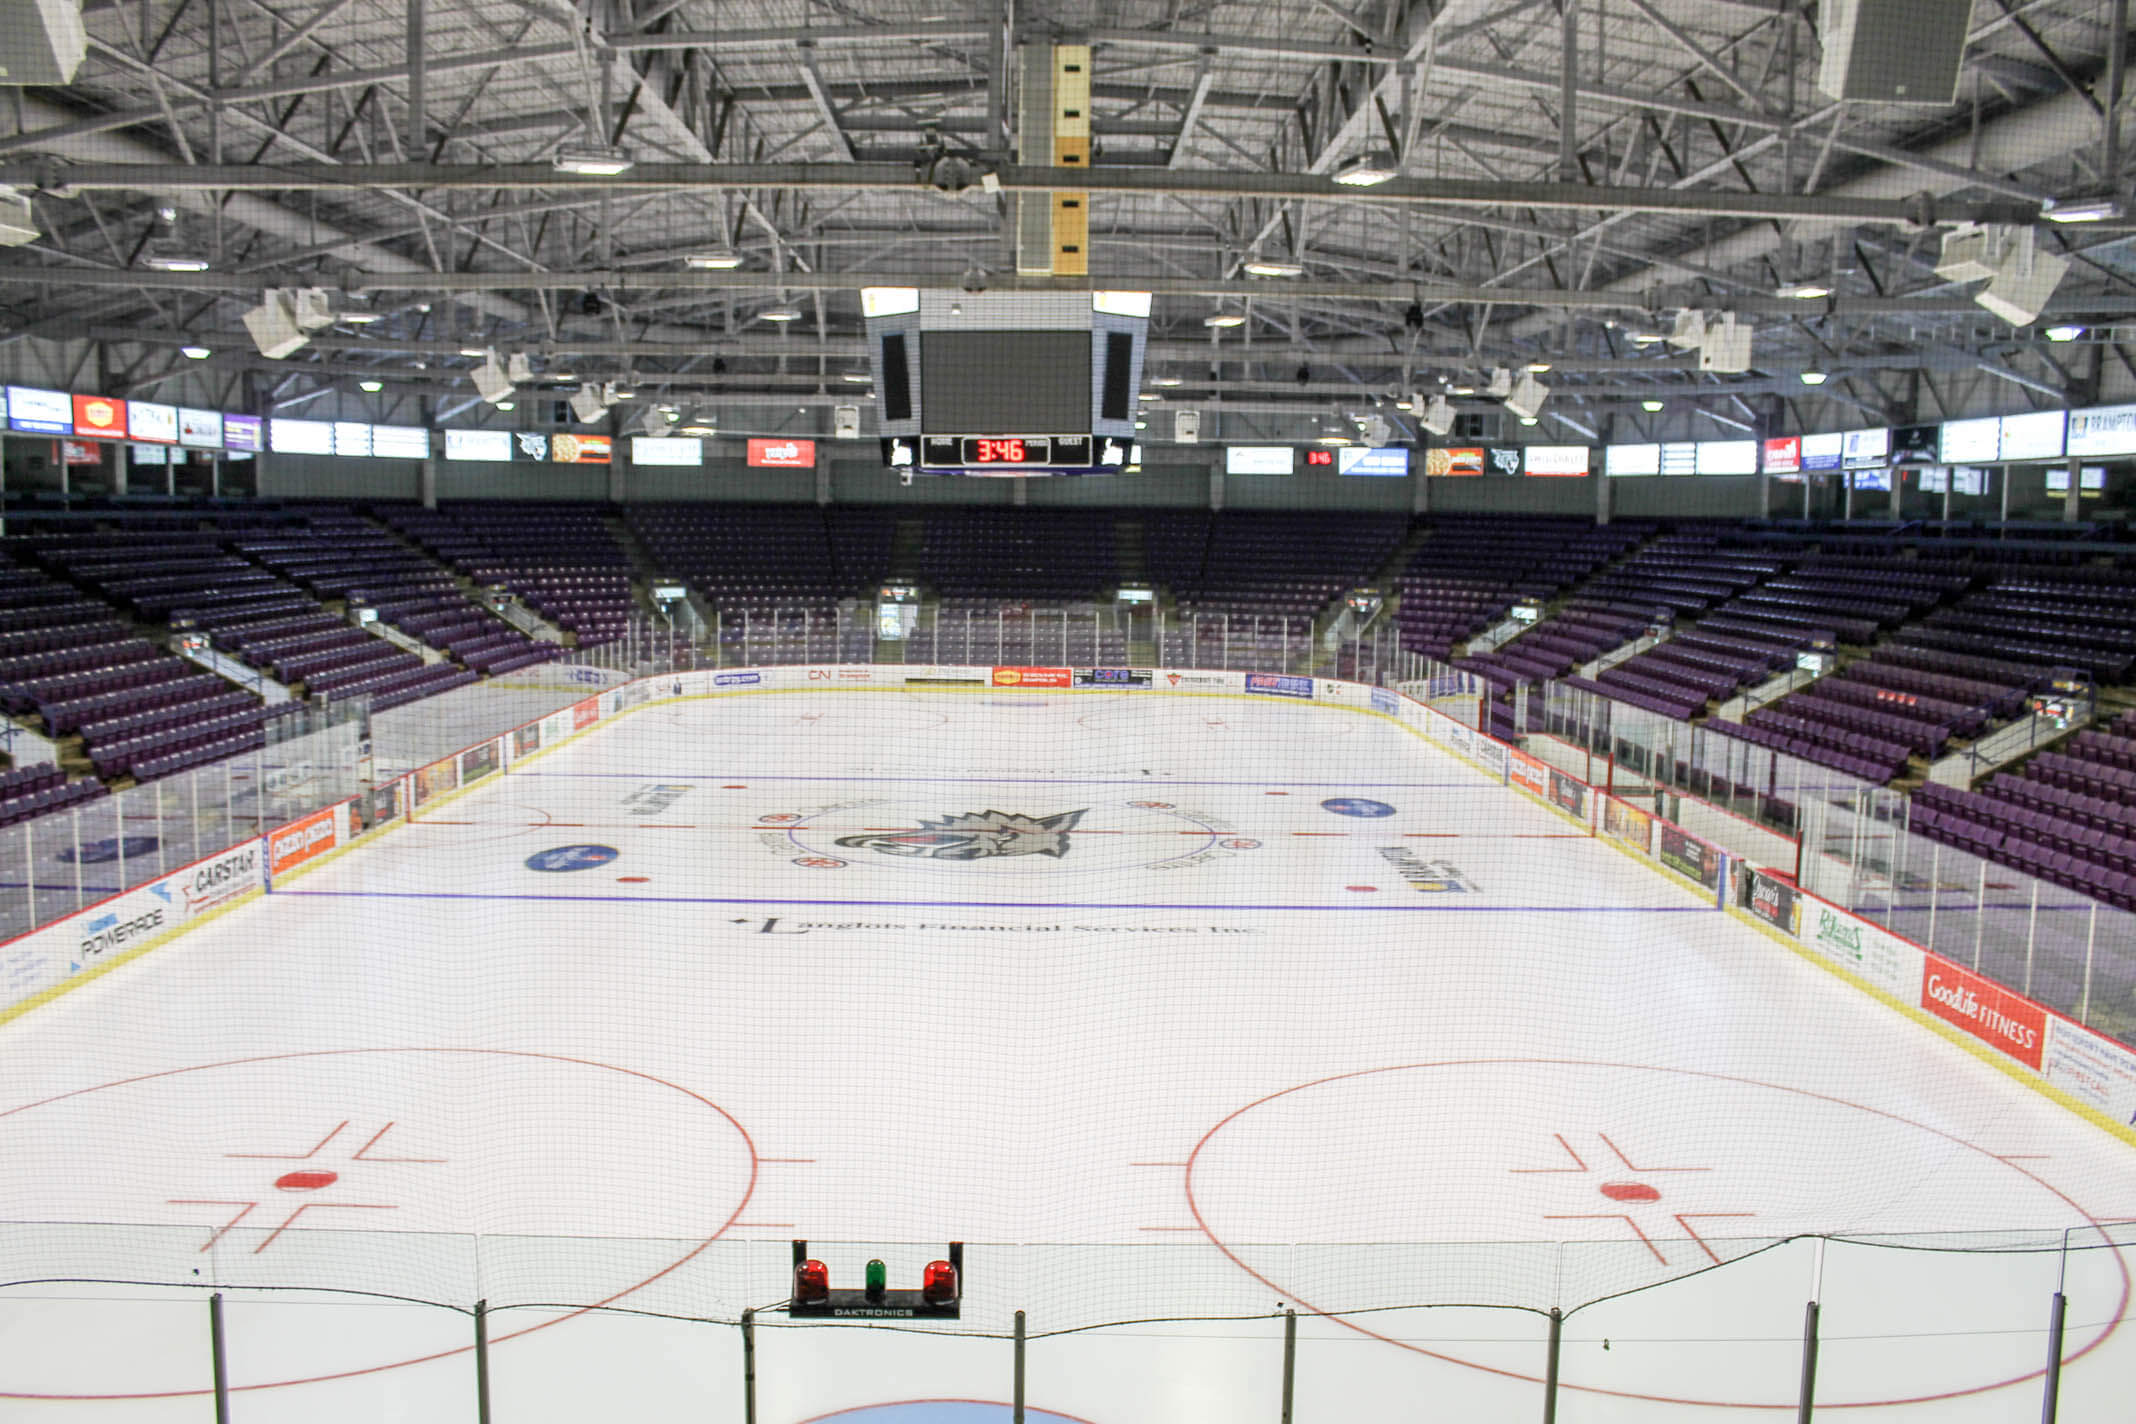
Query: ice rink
column 1171, row 1005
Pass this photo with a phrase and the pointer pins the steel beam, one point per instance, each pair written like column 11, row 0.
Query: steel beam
column 69, row 179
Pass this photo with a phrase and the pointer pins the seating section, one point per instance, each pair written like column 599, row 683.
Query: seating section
column 1041, row 555
column 1278, row 563
column 562, row 561
column 765, row 558
column 1468, row 572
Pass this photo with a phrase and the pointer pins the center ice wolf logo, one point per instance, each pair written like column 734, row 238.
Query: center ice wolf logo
column 975, row 835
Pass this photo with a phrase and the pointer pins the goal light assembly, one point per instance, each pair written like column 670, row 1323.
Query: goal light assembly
column 588, row 405
column 939, row 1297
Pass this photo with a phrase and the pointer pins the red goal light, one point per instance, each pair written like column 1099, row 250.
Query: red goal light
column 812, row 1283
column 938, row 1283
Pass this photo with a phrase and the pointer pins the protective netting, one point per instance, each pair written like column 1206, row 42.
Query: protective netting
column 1238, row 995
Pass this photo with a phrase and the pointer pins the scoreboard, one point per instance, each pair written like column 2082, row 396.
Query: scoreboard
column 1006, row 383
column 1048, row 454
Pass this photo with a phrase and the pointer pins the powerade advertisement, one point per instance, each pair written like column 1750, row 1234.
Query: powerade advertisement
column 1275, row 684
column 1688, row 855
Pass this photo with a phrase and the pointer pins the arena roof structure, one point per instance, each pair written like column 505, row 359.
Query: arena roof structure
column 687, row 197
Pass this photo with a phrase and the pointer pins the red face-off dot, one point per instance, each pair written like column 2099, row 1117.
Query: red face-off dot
column 306, row 1181
column 1630, row 1192
column 632, row 879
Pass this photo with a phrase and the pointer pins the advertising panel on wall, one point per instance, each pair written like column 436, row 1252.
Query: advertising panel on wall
column 300, row 437
column 200, row 429
column 1529, row 774
column 242, row 432
column 674, row 450
column 782, row 454
column 400, row 442
column 1503, row 460
column 1784, row 455
column 2095, row 1071
column 101, row 416
column 1865, row 447
column 1822, row 452
column 1259, row 459
column 585, row 714
column 1453, row 461
column 302, row 840
column 1557, row 460
column 2034, row 435
column 1985, row 1009
column 152, row 421
column 1679, row 457
column 1390, row 462
column 1627, row 824
column 39, row 412
column 434, row 780
column 1277, row 685
column 1885, row 960
column 478, row 445
column 1773, row 900
column 1728, row 457
column 1568, row 794
column 2103, row 430
column 568, row 449
column 352, row 439
column 478, row 762
column 1687, row 855
column 1622, row 461
column 1033, row 677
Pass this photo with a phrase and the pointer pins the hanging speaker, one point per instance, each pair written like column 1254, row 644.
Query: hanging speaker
column 845, row 422
column 41, row 41
column 1117, row 401
column 1892, row 51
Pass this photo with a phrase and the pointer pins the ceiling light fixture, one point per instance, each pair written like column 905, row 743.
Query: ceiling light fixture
column 1527, row 420
column 719, row 260
column 1273, row 267
column 593, row 161
column 1648, row 338
column 475, row 351
column 784, row 311
column 507, row 405
column 2063, row 333
column 359, row 318
column 1538, row 367
column 1804, row 291
column 1224, row 319
column 856, row 378
column 1168, row 382
column 1814, row 378
column 197, row 353
column 1651, row 406
column 1367, row 169
column 2097, row 207
column 374, row 387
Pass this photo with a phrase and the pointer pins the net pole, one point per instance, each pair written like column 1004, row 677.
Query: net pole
column 749, row 1367
column 75, row 819
column 1806, row 1399
column 1016, row 1408
column 1290, row 1361
column 118, row 833
column 218, row 1360
column 482, row 1377
column 1550, row 1365
column 2051, row 1383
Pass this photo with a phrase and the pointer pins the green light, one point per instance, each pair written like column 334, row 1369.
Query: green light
column 878, row 1278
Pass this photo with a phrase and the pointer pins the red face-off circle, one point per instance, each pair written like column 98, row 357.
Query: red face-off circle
column 1246, row 1176
column 265, row 1129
